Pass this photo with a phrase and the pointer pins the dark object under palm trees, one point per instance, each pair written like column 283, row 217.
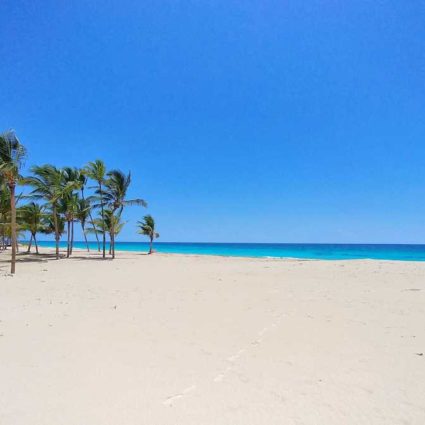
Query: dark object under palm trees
column 12, row 155
column 147, row 228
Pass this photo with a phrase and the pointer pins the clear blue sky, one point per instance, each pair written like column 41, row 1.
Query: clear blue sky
column 264, row 121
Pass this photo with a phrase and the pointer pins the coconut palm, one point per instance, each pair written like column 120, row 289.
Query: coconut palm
column 82, row 214
column 67, row 206
column 12, row 155
column 96, row 171
column 147, row 228
column 72, row 176
column 115, row 195
column 53, row 225
column 112, row 223
column 49, row 183
column 30, row 218
column 87, row 208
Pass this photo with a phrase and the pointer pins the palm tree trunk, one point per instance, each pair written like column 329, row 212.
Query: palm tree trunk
column 150, row 245
column 113, row 245
column 72, row 236
column 55, row 220
column 103, row 220
column 68, row 237
column 113, row 232
column 13, row 226
column 35, row 243
column 29, row 245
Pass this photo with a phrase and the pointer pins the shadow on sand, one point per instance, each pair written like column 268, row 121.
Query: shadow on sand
column 24, row 257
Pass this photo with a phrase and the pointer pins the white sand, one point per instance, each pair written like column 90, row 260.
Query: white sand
column 206, row 340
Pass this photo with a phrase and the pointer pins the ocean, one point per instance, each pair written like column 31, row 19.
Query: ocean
column 275, row 250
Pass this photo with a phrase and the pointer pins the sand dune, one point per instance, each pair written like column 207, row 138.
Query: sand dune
column 172, row 339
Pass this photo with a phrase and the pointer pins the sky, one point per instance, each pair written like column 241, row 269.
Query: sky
column 241, row 121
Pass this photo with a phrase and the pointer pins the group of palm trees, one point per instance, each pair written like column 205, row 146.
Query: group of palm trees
column 64, row 202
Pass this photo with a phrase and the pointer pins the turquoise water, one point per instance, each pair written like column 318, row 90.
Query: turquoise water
column 277, row 250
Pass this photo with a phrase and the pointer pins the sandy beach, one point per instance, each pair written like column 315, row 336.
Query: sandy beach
column 173, row 339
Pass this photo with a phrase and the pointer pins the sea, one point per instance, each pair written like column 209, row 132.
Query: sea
column 308, row 251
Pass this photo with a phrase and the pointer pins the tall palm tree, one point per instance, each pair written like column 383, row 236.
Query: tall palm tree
column 147, row 228
column 96, row 171
column 115, row 195
column 12, row 155
column 48, row 183
column 88, row 208
column 31, row 220
column 72, row 176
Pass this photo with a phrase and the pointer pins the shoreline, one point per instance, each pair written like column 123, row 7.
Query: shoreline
column 278, row 258
column 50, row 250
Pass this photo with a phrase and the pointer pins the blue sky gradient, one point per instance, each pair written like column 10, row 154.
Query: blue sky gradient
column 261, row 121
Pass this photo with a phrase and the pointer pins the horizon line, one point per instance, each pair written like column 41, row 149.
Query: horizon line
column 251, row 243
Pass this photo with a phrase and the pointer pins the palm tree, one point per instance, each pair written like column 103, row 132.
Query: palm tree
column 96, row 171
column 87, row 203
column 31, row 220
column 113, row 225
column 53, row 225
column 12, row 155
column 67, row 206
column 49, row 184
column 147, row 228
column 82, row 214
column 117, row 186
column 72, row 176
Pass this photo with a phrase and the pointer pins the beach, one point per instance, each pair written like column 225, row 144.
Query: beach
column 180, row 339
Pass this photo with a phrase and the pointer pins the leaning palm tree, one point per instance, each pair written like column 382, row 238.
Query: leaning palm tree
column 115, row 195
column 31, row 220
column 48, row 183
column 12, row 155
column 96, row 171
column 147, row 228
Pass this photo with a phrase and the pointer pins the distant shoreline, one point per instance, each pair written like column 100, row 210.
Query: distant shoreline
column 391, row 252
